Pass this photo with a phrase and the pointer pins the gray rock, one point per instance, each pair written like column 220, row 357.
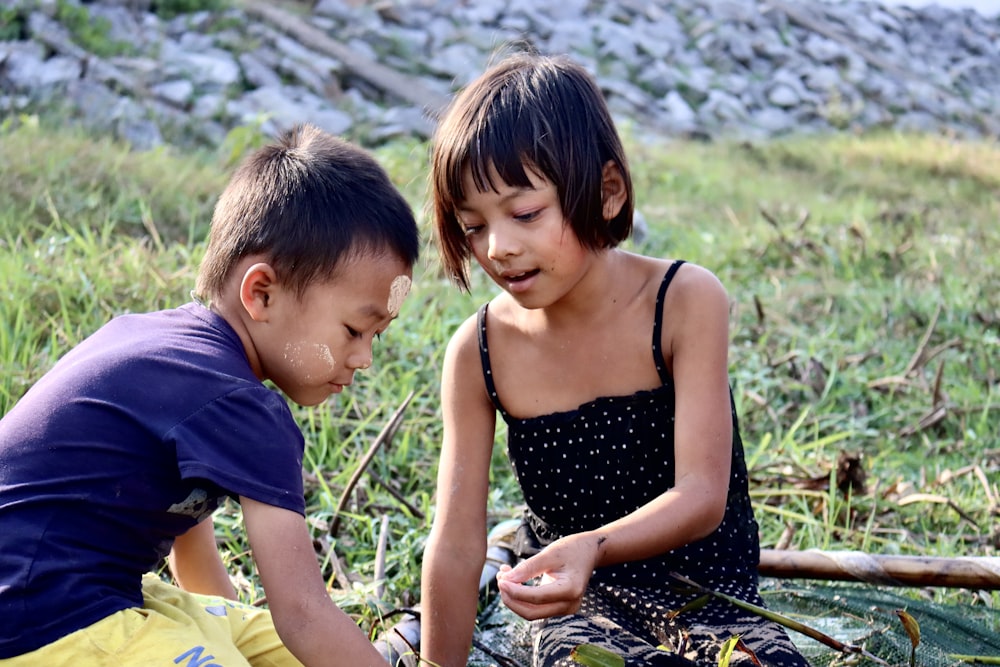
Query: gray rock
column 178, row 92
column 706, row 67
column 783, row 95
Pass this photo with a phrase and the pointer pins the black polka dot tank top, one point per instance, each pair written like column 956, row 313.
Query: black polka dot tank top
column 583, row 468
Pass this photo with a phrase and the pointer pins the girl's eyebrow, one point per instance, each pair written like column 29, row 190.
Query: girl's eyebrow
column 515, row 191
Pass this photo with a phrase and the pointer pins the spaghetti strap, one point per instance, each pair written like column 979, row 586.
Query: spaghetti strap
column 484, row 357
column 658, row 322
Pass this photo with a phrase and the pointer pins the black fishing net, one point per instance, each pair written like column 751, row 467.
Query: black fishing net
column 865, row 616
column 838, row 623
column 861, row 617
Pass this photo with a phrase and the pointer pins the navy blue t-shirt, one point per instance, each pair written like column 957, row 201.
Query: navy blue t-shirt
column 132, row 438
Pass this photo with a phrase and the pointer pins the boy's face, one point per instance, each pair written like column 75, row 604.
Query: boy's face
column 310, row 347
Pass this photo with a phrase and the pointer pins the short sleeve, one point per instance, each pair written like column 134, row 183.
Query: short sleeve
column 246, row 442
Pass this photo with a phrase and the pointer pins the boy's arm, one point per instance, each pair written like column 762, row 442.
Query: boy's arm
column 196, row 563
column 310, row 625
column 456, row 548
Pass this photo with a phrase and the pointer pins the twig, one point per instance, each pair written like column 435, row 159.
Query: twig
column 380, row 549
column 388, row 431
column 942, row 500
column 821, row 637
column 981, row 476
column 937, row 397
column 413, row 509
column 917, row 359
column 324, row 547
column 936, row 415
column 501, row 660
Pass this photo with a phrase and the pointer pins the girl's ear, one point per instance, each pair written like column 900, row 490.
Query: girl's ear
column 613, row 191
column 257, row 289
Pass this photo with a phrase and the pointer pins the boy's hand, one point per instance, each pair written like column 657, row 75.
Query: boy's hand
column 552, row 582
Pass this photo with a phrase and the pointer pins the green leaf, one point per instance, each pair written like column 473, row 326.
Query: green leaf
column 726, row 654
column 595, row 656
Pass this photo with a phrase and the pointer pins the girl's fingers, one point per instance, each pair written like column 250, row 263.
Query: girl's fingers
column 525, row 571
column 531, row 603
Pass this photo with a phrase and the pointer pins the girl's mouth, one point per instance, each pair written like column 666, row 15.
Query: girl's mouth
column 518, row 282
column 519, row 277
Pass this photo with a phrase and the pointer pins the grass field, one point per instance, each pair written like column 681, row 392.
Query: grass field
column 864, row 275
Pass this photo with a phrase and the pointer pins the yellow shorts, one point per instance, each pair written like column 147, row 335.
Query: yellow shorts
column 174, row 628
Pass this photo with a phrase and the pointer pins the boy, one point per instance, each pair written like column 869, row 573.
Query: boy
column 121, row 452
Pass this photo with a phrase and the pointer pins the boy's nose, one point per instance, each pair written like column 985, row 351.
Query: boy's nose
column 361, row 359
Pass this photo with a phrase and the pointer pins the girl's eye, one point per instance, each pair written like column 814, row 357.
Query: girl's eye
column 472, row 230
column 354, row 333
column 527, row 217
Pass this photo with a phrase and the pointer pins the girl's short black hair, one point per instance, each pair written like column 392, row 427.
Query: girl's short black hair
column 528, row 112
column 308, row 201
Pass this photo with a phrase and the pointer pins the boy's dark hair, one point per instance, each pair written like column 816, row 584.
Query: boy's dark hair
column 307, row 202
column 528, row 111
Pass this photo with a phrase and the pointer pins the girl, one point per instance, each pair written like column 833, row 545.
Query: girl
column 610, row 371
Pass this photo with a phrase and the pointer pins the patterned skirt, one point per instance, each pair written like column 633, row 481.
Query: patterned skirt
column 660, row 627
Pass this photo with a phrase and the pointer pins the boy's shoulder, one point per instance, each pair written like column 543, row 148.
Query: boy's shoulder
column 187, row 340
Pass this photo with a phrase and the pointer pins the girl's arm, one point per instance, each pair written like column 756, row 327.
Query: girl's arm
column 697, row 342
column 456, row 548
column 310, row 625
column 196, row 563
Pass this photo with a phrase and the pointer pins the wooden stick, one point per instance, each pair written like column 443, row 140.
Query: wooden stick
column 979, row 573
column 388, row 431
column 399, row 85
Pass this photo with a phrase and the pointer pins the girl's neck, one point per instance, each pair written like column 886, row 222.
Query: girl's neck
column 602, row 290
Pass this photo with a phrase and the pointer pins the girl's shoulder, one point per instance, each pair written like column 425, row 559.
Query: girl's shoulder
column 465, row 335
column 689, row 281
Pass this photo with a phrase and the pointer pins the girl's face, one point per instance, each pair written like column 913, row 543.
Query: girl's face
column 522, row 240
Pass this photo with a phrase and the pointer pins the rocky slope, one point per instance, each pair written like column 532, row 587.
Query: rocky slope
column 377, row 70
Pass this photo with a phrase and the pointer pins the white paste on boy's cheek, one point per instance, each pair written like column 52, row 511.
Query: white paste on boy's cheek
column 294, row 355
column 398, row 290
column 324, row 353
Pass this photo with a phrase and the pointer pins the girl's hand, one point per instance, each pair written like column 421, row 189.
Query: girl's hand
column 552, row 582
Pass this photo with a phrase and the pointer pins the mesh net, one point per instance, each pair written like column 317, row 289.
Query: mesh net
column 856, row 615
column 865, row 616
column 861, row 617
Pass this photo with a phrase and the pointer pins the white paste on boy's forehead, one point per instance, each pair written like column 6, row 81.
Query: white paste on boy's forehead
column 398, row 290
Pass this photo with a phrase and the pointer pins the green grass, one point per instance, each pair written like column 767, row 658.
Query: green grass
column 865, row 286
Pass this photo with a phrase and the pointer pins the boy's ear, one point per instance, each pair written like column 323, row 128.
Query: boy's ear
column 613, row 191
column 257, row 289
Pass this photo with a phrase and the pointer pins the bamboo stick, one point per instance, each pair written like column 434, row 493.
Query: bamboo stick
column 980, row 573
column 386, row 79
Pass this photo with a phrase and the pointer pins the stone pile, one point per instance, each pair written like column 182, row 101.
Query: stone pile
column 378, row 70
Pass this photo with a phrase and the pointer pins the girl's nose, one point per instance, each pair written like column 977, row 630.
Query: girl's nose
column 502, row 245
